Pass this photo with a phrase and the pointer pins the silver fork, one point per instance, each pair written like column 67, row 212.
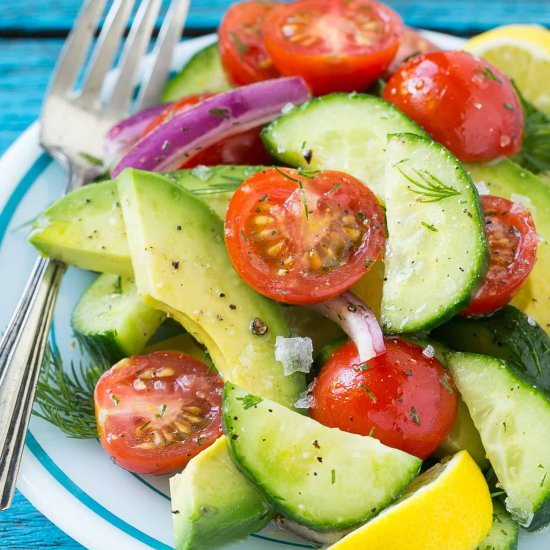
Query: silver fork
column 73, row 126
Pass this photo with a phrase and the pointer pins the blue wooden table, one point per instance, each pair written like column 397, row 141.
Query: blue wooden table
column 31, row 35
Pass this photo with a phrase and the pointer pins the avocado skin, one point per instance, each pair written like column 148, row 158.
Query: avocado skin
column 511, row 181
column 203, row 515
column 508, row 334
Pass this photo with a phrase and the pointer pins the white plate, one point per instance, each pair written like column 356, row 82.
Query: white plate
column 73, row 482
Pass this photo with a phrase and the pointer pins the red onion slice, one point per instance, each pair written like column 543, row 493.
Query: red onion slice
column 357, row 321
column 123, row 136
column 186, row 134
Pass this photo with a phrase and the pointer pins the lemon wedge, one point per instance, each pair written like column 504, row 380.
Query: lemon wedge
column 523, row 53
column 448, row 506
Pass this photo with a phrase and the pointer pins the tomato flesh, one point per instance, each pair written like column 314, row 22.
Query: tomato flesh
column 242, row 50
column 155, row 412
column 462, row 101
column 512, row 238
column 335, row 45
column 300, row 238
column 404, row 398
column 243, row 148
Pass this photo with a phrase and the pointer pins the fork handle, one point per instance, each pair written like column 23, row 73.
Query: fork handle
column 21, row 354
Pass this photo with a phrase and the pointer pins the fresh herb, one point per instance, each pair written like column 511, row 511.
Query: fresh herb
column 94, row 161
column 162, row 411
column 242, row 48
column 243, row 235
column 200, row 441
column 508, row 106
column 497, row 494
column 429, row 226
column 408, row 372
column 489, row 74
column 115, row 399
column 117, row 287
column 301, row 187
column 543, row 479
column 414, row 416
column 369, row 393
column 371, row 432
column 444, row 379
column 362, row 367
column 427, row 185
column 249, row 401
column 65, row 397
column 535, row 150
column 220, row 113
column 333, row 188
column 333, row 476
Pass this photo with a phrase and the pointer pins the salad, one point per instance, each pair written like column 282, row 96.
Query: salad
column 322, row 291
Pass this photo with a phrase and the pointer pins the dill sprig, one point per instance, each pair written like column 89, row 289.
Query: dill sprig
column 427, row 185
column 216, row 188
column 300, row 186
column 65, row 397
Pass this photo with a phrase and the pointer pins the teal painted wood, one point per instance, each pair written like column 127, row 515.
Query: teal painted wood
column 460, row 16
column 22, row 527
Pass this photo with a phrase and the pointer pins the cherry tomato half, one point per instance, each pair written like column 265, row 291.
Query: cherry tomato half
column 300, row 238
column 155, row 412
column 335, row 45
column 512, row 237
column 462, row 101
column 244, row 148
column 242, row 50
column 403, row 398
column 412, row 43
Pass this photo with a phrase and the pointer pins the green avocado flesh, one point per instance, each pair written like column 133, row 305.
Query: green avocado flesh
column 322, row 477
column 513, row 420
column 204, row 516
column 85, row 228
column 111, row 320
column 182, row 267
column 436, row 252
column 507, row 179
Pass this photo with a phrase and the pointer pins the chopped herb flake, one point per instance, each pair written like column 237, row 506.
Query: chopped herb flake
column 509, row 107
column 369, row 393
column 429, row 226
column 444, row 379
column 220, row 113
column 333, row 476
column 162, row 411
column 489, row 74
column 371, row 432
column 249, row 401
column 414, row 416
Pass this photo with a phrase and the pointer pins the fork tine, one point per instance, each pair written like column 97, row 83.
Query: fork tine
column 134, row 49
column 106, row 47
column 76, row 46
column 169, row 35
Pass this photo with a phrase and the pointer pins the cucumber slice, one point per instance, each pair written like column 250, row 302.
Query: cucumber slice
column 213, row 503
column 111, row 321
column 436, row 253
column 340, row 132
column 202, row 73
column 321, row 477
column 508, row 334
column 513, row 419
column 504, row 531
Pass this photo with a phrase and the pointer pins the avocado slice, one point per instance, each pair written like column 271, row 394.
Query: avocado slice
column 85, row 228
column 204, row 516
column 182, row 267
column 507, row 179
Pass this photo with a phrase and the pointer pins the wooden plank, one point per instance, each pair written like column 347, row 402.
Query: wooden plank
column 23, row 527
column 25, row 68
column 462, row 16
